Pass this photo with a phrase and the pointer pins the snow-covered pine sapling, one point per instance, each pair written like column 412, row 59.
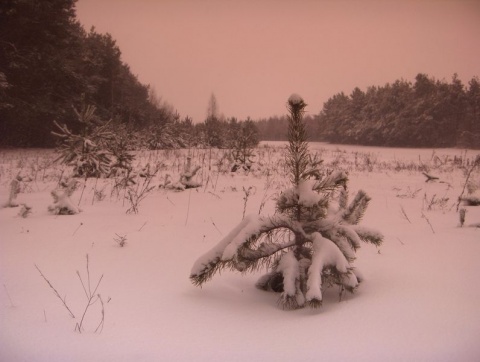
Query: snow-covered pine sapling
column 308, row 244
column 62, row 204
column 122, row 158
column 244, row 140
column 86, row 151
column 186, row 178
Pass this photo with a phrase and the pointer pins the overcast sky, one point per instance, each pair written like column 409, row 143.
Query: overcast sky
column 252, row 54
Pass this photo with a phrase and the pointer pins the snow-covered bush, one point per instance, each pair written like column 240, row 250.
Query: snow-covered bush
column 62, row 204
column 14, row 191
column 17, row 185
column 186, row 180
column 309, row 243
column 25, row 210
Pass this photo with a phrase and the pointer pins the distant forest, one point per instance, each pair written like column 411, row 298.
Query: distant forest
column 51, row 67
column 427, row 113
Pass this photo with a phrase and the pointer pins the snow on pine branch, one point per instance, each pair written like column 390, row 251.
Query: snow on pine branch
column 249, row 229
column 326, row 254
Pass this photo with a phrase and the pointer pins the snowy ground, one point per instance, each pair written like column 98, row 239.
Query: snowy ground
column 419, row 302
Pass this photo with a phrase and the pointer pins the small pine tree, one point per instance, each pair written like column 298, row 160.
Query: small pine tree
column 62, row 204
column 243, row 139
column 308, row 244
column 86, row 151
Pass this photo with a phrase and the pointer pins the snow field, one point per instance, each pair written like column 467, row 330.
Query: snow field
column 419, row 299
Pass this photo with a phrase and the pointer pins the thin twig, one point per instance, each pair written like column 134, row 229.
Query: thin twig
column 404, row 214
column 145, row 223
column 102, row 322
column 213, row 223
column 77, row 228
column 90, row 297
column 55, row 291
column 428, row 221
column 8, row 294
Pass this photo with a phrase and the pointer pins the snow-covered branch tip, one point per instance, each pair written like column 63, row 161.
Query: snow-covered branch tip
column 234, row 249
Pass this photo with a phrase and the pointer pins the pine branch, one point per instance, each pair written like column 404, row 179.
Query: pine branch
column 355, row 211
column 368, row 235
column 246, row 232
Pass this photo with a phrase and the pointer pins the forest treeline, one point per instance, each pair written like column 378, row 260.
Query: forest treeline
column 427, row 113
column 50, row 65
column 51, row 68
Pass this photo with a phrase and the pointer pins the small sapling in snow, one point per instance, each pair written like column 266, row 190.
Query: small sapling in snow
column 62, row 204
column 14, row 191
column 308, row 244
column 25, row 210
column 186, row 180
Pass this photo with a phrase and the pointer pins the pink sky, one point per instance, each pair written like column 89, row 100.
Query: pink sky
column 253, row 54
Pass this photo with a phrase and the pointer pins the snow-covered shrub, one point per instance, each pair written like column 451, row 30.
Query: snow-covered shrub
column 17, row 185
column 138, row 191
column 14, row 191
column 86, row 151
column 309, row 243
column 62, row 204
column 186, row 180
column 25, row 210
column 243, row 140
